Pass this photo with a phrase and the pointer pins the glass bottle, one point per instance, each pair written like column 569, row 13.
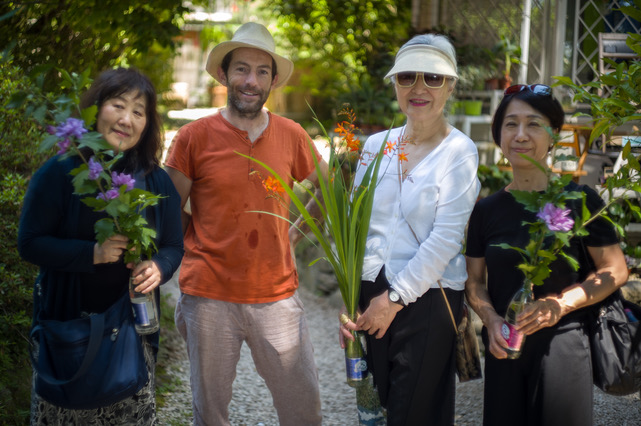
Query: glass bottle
column 355, row 363
column 512, row 336
column 144, row 309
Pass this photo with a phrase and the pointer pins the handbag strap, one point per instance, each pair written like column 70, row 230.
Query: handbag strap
column 95, row 339
column 449, row 308
column 447, row 302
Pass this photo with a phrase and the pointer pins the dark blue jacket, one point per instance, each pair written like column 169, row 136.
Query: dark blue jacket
column 57, row 234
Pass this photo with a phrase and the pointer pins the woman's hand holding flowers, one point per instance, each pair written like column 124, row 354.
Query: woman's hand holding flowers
column 111, row 250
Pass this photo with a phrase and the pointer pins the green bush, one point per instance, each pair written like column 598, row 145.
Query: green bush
column 19, row 157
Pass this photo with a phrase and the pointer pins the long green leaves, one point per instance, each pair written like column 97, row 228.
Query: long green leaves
column 345, row 213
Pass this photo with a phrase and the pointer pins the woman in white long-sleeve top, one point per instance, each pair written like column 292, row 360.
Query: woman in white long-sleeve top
column 426, row 191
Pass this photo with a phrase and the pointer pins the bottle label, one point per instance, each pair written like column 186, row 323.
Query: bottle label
column 140, row 313
column 356, row 368
column 513, row 337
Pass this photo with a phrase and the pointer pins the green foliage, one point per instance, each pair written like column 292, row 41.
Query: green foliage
column 472, row 77
column 336, row 44
column 492, row 179
column 80, row 34
column 540, row 252
column 375, row 105
column 18, row 158
column 507, row 52
column 622, row 106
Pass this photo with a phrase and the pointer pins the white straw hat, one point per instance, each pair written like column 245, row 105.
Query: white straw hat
column 255, row 36
column 423, row 58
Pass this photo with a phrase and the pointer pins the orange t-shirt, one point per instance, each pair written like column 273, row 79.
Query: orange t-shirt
column 233, row 252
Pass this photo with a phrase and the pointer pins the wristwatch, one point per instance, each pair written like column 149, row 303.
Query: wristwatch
column 394, row 297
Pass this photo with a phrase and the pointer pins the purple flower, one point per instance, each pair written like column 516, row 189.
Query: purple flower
column 94, row 168
column 64, row 146
column 119, row 179
column 109, row 195
column 556, row 218
column 71, row 127
column 51, row 130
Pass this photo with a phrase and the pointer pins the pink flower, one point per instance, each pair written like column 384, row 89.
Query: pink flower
column 109, row 195
column 119, row 179
column 556, row 218
column 94, row 168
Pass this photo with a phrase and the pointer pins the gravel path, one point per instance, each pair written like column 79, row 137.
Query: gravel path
column 252, row 404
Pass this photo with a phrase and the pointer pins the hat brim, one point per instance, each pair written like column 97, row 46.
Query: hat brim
column 284, row 65
column 423, row 58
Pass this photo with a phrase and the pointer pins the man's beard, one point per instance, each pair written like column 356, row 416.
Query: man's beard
column 246, row 109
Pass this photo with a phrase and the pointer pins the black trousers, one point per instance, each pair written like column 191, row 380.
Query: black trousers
column 550, row 384
column 413, row 364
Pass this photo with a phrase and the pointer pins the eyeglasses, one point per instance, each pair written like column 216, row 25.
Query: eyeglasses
column 409, row 79
column 537, row 89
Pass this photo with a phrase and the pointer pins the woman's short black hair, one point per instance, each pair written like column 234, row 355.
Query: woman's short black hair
column 545, row 104
column 115, row 82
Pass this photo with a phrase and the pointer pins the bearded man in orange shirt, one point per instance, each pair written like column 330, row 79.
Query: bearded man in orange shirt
column 238, row 278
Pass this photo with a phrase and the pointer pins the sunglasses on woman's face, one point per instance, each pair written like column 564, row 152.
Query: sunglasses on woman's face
column 538, row 89
column 409, row 79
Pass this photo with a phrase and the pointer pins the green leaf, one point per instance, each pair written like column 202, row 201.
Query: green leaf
column 529, row 199
column 89, row 115
column 104, row 228
column 48, row 143
column 17, row 99
column 94, row 141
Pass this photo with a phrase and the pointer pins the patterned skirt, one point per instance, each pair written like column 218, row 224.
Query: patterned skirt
column 138, row 409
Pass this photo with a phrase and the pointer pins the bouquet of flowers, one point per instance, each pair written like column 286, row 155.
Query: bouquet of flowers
column 102, row 188
column 551, row 232
column 345, row 209
column 552, row 213
column 341, row 231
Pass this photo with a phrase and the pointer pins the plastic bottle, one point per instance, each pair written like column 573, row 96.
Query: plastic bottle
column 144, row 309
column 512, row 336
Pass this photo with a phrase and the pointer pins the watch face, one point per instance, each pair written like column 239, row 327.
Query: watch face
column 394, row 296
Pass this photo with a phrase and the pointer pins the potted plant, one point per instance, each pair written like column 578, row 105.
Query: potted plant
column 506, row 52
column 471, row 78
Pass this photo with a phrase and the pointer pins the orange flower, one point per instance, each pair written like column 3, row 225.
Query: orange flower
column 390, row 147
column 352, row 143
column 402, row 156
column 273, row 186
column 346, row 131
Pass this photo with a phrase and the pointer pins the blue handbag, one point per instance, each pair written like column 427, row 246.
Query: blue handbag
column 89, row 362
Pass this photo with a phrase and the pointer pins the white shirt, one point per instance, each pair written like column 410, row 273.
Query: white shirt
column 435, row 202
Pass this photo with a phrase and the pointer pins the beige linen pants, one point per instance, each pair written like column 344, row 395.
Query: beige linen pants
column 281, row 348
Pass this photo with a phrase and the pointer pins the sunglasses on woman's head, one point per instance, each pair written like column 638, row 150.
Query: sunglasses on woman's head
column 537, row 89
column 409, row 79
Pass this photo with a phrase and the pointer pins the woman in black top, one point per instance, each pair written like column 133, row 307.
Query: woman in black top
column 551, row 382
column 79, row 276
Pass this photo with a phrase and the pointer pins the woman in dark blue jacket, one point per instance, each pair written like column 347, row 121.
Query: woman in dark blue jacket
column 77, row 274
